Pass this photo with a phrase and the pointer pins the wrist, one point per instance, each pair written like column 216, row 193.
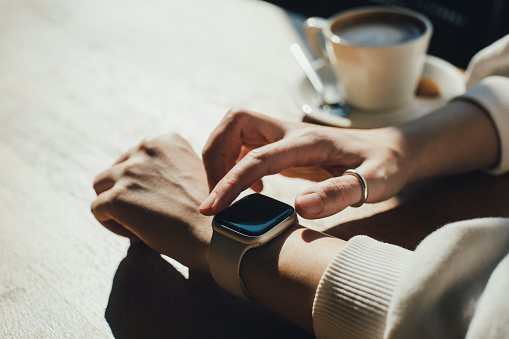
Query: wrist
column 203, row 234
column 284, row 274
column 456, row 138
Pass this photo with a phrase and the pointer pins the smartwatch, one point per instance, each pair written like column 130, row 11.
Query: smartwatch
column 250, row 222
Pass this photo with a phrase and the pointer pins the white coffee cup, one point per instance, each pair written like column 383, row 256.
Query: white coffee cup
column 377, row 53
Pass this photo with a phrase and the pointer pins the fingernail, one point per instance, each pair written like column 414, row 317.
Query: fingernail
column 311, row 203
column 209, row 202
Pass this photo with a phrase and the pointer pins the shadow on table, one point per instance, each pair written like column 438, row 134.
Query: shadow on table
column 151, row 299
column 429, row 204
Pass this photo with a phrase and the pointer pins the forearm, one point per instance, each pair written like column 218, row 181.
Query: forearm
column 284, row 274
column 457, row 138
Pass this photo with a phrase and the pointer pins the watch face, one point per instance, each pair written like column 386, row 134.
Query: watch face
column 254, row 215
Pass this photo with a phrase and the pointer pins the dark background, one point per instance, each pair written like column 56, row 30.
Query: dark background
column 461, row 28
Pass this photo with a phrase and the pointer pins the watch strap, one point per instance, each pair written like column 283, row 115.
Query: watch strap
column 225, row 256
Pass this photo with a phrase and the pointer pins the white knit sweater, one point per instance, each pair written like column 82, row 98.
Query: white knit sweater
column 456, row 283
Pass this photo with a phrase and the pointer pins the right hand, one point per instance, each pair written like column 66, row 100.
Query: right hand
column 246, row 146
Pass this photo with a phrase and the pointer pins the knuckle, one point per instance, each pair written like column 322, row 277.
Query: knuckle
column 235, row 111
column 333, row 186
column 336, row 190
column 105, row 179
column 131, row 169
column 207, row 154
column 117, row 197
column 174, row 140
column 111, row 201
column 308, row 134
column 258, row 155
column 313, row 137
column 116, row 194
column 150, row 146
column 231, row 183
column 175, row 137
column 261, row 159
column 234, row 115
column 231, row 180
column 235, row 183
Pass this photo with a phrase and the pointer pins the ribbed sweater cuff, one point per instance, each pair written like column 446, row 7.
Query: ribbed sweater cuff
column 492, row 93
column 355, row 291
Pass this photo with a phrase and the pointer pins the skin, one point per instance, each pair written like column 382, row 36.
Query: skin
column 387, row 158
column 153, row 192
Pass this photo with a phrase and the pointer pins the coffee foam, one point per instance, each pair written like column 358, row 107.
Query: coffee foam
column 377, row 31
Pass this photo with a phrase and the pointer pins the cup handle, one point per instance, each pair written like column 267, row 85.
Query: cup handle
column 312, row 28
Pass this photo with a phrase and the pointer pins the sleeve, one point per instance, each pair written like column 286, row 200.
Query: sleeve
column 453, row 285
column 487, row 78
column 491, row 60
column 492, row 94
column 354, row 293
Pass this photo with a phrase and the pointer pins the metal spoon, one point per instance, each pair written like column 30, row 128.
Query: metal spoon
column 303, row 58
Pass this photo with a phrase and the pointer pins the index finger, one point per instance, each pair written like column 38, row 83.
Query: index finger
column 269, row 159
column 239, row 127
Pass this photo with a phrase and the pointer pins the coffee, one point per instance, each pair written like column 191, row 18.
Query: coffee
column 378, row 29
column 377, row 53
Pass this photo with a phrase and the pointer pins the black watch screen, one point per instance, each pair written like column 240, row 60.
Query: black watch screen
column 254, row 214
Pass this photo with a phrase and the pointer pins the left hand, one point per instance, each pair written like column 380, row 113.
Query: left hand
column 152, row 193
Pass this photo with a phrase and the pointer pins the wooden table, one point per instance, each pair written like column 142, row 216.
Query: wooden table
column 81, row 82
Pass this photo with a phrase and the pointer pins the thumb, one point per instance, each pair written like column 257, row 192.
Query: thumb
column 330, row 196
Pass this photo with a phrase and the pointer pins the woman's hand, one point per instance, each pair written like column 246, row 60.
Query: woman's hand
column 247, row 146
column 152, row 193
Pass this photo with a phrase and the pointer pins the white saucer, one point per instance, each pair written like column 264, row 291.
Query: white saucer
column 450, row 81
